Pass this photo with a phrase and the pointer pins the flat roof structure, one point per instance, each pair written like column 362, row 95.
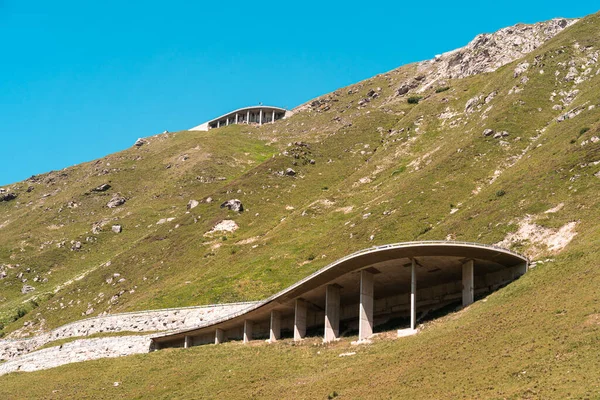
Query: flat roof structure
column 254, row 115
column 371, row 287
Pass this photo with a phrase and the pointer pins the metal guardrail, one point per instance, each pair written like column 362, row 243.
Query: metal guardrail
column 339, row 261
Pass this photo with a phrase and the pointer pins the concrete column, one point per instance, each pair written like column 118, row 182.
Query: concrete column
column 219, row 336
column 521, row 270
column 413, row 294
column 365, row 312
column 261, row 117
column 248, row 326
column 275, row 331
column 332, row 313
column 248, row 117
column 300, row 320
column 236, row 118
column 219, row 124
column 187, row 342
column 227, row 121
column 468, row 283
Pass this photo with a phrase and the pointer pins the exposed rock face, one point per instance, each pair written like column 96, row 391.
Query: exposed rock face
column 192, row 204
column 97, row 226
column 490, row 51
column 102, row 188
column 501, row 134
column 290, row 172
column 7, row 196
column 571, row 114
column 117, row 228
column 540, row 238
column 27, row 289
column 226, row 225
column 140, row 142
column 233, row 205
column 116, row 201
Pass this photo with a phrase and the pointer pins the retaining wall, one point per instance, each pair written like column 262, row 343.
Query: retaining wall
column 77, row 351
column 143, row 321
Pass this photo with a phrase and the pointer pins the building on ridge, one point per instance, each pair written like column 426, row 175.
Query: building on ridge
column 254, row 115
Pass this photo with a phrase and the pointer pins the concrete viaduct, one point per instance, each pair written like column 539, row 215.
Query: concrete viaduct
column 382, row 286
column 255, row 115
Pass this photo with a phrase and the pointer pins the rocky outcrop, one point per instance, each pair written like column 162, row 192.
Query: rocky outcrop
column 102, row 188
column 233, row 205
column 116, row 201
column 226, row 225
column 27, row 289
column 7, row 196
column 488, row 52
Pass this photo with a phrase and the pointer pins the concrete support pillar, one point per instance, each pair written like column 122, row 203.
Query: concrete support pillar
column 365, row 312
column 468, row 283
column 275, row 331
column 248, row 117
column 248, row 326
column 236, row 118
column 187, row 342
column 332, row 313
column 300, row 320
column 521, row 270
column 260, row 121
column 413, row 294
column 219, row 336
column 227, row 121
column 218, row 124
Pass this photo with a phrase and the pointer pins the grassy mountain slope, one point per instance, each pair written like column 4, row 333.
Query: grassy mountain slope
column 386, row 170
column 532, row 339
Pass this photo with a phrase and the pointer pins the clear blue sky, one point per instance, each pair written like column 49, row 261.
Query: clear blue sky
column 80, row 79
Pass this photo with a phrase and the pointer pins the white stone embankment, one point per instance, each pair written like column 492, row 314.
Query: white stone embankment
column 77, row 351
column 144, row 321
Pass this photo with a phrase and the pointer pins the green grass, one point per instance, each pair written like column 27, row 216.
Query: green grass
column 397, row 161
column 512, row 345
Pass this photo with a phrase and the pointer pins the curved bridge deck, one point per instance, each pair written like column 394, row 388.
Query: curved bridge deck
column 393, row 283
